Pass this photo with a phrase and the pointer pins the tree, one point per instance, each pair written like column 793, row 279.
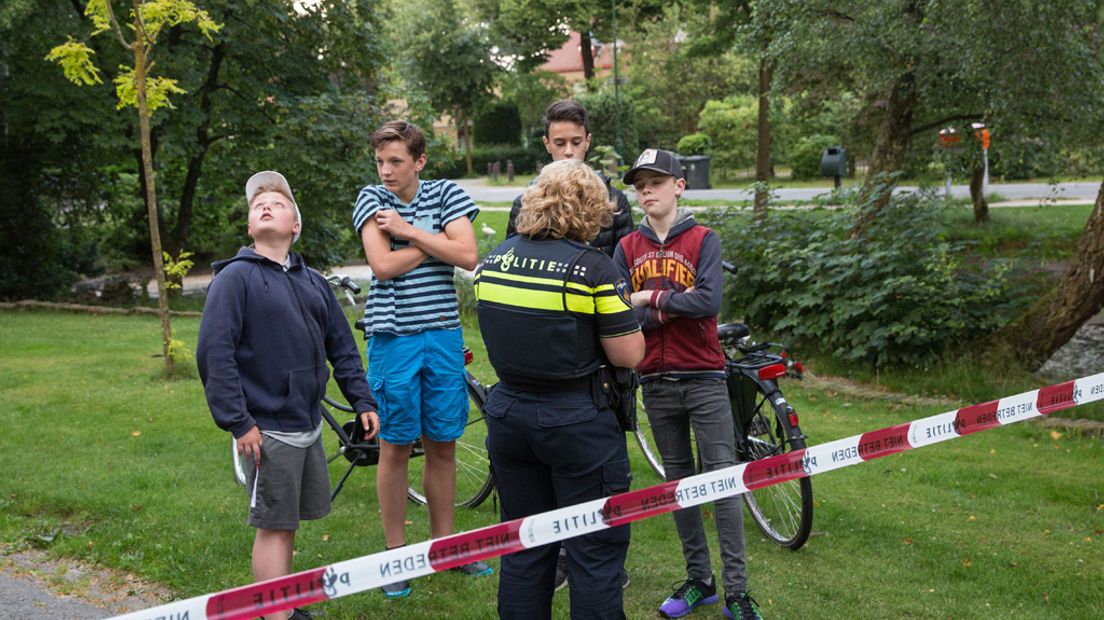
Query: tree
column 450, row 60
column 525, row 32
column 55, row 142
column 672, row 73
column 1051, row 321
column 269, row 64
column 137, row 86
column 531, row 92
column 920, row 66
column 743, row 27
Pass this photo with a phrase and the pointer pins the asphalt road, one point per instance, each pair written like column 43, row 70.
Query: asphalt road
column 481, row 192
column 24, row 598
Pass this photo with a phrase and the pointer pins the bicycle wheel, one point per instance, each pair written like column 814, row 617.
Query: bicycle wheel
column 643, row 434
column 473, row 466
column 784, row 512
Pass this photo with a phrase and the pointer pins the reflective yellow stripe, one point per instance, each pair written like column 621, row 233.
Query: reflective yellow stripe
column 533, row 299
column 591, row 290
column 610, row 304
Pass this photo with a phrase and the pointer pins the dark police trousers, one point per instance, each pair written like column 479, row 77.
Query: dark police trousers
column 550, row 450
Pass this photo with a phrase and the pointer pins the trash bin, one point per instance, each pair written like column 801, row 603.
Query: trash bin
column 833, row 162
column 696, row 169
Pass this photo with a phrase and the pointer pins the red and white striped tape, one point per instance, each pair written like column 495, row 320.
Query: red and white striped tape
column 417, row 560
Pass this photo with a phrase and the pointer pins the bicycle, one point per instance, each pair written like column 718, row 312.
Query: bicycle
column 766, row 425
column 474, row 482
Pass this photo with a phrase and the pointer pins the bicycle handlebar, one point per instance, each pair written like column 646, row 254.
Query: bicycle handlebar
column 343, row 281
column 727, row 266
column 349, row 284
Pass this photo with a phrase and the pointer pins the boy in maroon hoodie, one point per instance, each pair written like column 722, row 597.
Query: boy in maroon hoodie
column 673, row 267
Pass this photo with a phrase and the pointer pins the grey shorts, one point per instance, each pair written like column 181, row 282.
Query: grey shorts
column 292, row 485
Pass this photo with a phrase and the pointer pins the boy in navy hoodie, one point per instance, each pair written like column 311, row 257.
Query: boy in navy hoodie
column 673, row 266
column 269, row 325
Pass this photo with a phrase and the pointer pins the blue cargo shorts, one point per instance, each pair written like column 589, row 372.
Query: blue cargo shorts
column 418, row 381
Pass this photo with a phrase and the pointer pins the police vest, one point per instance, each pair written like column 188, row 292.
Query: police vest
column 538, row 306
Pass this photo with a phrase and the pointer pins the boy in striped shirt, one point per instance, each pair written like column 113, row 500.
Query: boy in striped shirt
column 414, row 233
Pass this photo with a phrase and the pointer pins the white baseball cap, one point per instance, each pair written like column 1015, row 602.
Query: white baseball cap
column 271, row 178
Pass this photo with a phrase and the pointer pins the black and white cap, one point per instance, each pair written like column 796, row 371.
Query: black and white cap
column 664, row 162
column 271, row 178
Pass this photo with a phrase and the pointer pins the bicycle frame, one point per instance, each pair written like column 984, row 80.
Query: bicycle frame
column 746, row 379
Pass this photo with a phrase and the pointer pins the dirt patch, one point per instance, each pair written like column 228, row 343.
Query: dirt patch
column 114, row 590
column 855, row 389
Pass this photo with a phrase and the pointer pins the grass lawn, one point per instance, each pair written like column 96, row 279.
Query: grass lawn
column 1045, row 233
column 104, row 461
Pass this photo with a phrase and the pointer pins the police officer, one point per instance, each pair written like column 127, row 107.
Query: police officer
column 553, row 311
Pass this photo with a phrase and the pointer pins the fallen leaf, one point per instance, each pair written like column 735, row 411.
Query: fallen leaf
column 972, row 518
column 967, row 562
column 136, row 433
column 1055, row 435
column 325, row 538
column 992, row 451
column 408, row 522
column 908, row 540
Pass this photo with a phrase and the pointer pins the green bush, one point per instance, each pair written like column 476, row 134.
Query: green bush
column 806, row 152
column 602, row 110
column 731, row 124
column 694, row 144
column 898, row 295
column 498, row 124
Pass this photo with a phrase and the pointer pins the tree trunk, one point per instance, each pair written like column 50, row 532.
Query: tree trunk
column 763, row 141
column 894, row 136
column 140, row 67
column 981, row 206
column 586, row 48
column 142, row 182
column 462, row 125
column 178, row 240
column 1050, row 323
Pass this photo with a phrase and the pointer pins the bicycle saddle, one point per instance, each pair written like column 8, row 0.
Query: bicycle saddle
column 731, row 332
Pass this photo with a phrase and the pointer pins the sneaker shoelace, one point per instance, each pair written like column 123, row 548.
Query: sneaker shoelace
column 684, row 589
column 747, row 607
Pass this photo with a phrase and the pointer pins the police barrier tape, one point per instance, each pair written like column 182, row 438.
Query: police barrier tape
column 417, row 560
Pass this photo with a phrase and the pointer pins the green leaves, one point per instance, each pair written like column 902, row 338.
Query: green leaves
column 156, row 14
column 75, row 59
column 898, row 296
column 153, row 16
column 158, row 90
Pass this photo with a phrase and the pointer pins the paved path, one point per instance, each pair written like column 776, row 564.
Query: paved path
column 197, row 283
column 25, row 599
column 1082, row 191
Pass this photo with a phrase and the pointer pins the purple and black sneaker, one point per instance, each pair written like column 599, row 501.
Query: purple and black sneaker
column 690, row 594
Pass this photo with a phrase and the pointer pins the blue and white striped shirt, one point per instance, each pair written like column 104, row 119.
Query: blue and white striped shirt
column 424, row 297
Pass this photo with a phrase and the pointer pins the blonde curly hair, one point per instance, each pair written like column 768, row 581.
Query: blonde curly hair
column 569, row 200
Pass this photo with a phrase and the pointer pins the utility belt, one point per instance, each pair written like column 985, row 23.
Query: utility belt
column 609, row 387
column 615, row 389
column 546, row 386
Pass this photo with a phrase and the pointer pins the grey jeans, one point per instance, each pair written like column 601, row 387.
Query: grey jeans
column 673, row 407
